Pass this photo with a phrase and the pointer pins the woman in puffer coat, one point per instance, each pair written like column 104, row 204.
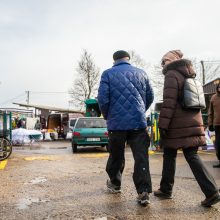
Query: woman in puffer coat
column 181, row 128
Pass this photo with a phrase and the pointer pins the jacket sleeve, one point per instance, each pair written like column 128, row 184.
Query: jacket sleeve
column 170, row 97
column 210, row 113
column 103, row 95
column 149, row 94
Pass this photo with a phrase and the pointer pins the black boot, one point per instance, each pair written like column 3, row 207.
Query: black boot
column 217, row 165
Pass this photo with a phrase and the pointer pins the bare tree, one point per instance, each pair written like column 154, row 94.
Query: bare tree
column 137, row 61
column 85, row 85
column 210, row 72
column 157, row 79
column 154, row 73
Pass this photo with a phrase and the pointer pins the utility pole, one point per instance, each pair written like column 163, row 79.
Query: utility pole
column 203, row 72
column 28, row 97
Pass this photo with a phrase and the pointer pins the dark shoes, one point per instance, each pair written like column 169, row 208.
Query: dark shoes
column 112, row 187
column 212, row 200
column 143, row 198
column 162, row 195
column 217, row 165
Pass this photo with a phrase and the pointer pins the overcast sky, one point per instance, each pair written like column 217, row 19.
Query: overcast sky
column 42, row 40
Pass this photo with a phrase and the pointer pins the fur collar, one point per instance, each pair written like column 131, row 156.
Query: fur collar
column 183, row 66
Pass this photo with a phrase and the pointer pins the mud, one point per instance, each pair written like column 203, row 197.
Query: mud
column 48, row 181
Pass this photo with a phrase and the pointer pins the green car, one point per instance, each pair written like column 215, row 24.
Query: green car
column 90, row 131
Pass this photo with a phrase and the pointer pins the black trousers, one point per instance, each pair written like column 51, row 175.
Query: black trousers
column 139, row 142
column 217, row 141
column 203, row 177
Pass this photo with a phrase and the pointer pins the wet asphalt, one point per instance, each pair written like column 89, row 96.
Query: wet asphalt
column 46, row 180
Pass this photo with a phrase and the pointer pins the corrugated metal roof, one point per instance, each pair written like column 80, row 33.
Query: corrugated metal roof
column 48, row 108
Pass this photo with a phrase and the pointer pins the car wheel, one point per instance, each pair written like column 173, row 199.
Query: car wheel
column 74, row 147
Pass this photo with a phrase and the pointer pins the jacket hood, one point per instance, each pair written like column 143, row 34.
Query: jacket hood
column 183, row 66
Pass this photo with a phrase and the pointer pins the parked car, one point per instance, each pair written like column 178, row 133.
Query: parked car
column 72, row 122
column 89, row 131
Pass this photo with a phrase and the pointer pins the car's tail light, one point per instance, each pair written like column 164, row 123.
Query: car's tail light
column 106, row 133
column 77, row 134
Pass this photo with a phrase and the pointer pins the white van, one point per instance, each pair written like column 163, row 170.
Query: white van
column 72, row 122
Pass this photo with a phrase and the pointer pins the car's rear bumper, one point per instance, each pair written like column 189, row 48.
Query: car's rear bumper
column 91, row 143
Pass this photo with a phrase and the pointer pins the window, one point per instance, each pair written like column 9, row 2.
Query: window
column 91, row 123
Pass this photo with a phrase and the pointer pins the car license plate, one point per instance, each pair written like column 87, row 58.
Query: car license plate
column 93, row 139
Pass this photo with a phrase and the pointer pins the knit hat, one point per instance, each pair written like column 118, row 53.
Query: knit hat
column 120, row 54
column 172, row 55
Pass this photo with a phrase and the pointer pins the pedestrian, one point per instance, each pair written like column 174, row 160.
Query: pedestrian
column 148, row 121
column 124, row 96
column 181, row 128
column 214, row 121
column 149, row 124
column 13, row 123
column 20, row 123
column 37, row 125
column 93, row 113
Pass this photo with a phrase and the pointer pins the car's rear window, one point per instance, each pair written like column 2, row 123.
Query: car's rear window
column 90, row 123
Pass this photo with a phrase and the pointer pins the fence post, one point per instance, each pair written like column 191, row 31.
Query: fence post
column 10, row 125
column 4, row 124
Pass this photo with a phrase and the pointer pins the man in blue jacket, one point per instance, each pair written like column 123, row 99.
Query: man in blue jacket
column 124, row 96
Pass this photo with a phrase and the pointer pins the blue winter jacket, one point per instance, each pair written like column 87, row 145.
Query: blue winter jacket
column 124, row 96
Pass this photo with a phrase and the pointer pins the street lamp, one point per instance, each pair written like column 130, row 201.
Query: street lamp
column 203, row 72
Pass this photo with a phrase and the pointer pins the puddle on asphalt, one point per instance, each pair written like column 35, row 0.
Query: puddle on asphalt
column 57, row 147
column 37, row 180
column 102, row 218
column 25, row 203
column 105, row 218
column 37, row 148
column 26, row 147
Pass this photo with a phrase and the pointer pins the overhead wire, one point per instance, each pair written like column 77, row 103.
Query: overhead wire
column 10, row 100
column 212, row 61
column 34, row 92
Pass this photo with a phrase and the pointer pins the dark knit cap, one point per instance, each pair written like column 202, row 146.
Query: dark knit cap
column 120, row 54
